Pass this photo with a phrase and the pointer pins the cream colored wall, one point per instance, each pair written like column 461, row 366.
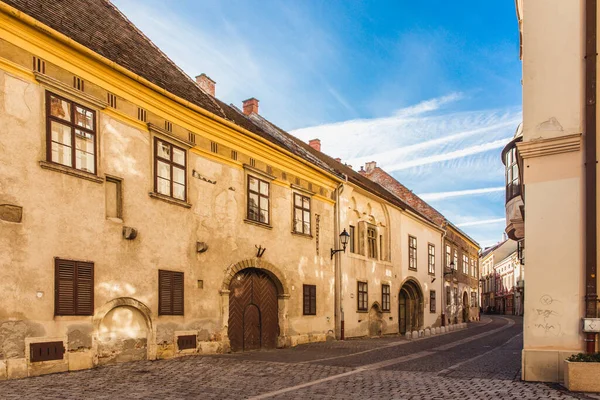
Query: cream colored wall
column 553, row 78
column 64, row 216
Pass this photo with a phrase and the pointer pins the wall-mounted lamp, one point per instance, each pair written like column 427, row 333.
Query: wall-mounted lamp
column 344, row 238
column 260, row 251
column 452, row 269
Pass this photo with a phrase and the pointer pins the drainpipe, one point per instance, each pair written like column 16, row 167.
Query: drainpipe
column 339, row 309
column 443, row 280
column 591, row 295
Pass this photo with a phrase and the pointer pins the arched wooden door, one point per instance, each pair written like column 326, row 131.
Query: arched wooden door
column 410, row 303
column 253, row 315
column 465, row 307
column 402, row 304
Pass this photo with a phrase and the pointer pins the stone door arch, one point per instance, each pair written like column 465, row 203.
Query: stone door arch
column 410, row 306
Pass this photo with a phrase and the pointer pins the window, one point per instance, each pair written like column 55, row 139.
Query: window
column 465, row 264
column 431, row 263
column 114, row 204
column 170, row 292
column 73, row 287
column 456, row 259
column 372, row 242
column 363, row 296
column 169, row 169
column 301, row 214
column 71, row 134
column 258, row 200
column 448, row 256
column 412, row 252
column 432, row 301
column 473, row 299
column 448, row 294
column 385, row 297
column 352, row 233
column 513, row 188
column 310, row 299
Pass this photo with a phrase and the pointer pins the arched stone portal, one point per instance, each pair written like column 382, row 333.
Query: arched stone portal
column 254, row 303
column 411, row 306
column 465, row 307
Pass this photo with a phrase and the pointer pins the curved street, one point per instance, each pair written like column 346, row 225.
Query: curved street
column 480, row 362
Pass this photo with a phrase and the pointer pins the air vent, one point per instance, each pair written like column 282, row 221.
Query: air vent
column 323, row 192
column 46, row 351
column 78, row 83
column 192, row 137
column 186, row 342
column 284, row 176
column 168, row 126
column 234, row 155
column 269, row 169
column 310, row 186
column 112, row 100
column 214, row 147
column 297, row 181
column 142, row 114
column 252, row 162
column 39, row 65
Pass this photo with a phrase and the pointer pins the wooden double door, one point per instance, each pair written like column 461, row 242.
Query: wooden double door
column 253, row 313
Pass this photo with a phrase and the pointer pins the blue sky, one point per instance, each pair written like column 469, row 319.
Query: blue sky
column 430, row 90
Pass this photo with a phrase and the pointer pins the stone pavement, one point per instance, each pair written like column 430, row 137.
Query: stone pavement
column 481, row 362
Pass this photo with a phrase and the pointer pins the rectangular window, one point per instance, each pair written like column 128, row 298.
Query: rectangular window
column 456, row 259
column 432, row 301
column 473, row 299
column 301, row 214
column 310, row 299
column 412, row 252
column 363, row 296
column 448, row 256
column 465, row 264
column 352, row 233
column 381, row 246
column 71, row 134
column 372, row 242
column 170, row 292
column 431, row 261
column 385, row 297
column 73, row 287
column 258, row 200
column 448, row 294
column 170, row 177
column 114, row 204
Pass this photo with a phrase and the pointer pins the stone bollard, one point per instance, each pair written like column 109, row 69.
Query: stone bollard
column 427, row 332
column 415, row 334
column 436, row 331
column 407, row 336
column 442, row 329
column 421, row 333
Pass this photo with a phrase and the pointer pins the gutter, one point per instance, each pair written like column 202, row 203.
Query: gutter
column 339, row 309
column 591, row 250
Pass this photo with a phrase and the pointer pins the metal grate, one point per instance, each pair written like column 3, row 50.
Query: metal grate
column 168, row 126
column 39, row 65
column 46, row 351
column 234, row 155
column 186, row 342
column 214, row 147
column 192, row 137
column 252, row 162
column 112, row 100
column 141, row 114
column 78, row 83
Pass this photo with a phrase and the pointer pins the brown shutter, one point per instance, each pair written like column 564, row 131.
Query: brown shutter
column 64, row 289
column 361, row 238
column 178, row 293
column 84, row 289
column 164, row 292
column 313, row 300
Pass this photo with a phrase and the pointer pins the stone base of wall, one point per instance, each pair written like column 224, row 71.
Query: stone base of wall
column 293, row 341
column 544, row 365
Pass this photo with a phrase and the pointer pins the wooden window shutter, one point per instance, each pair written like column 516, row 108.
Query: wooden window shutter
column 170, row 292
column 74, row 288
column 362, row 232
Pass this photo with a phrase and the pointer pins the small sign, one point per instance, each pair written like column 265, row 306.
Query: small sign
column 591, row 325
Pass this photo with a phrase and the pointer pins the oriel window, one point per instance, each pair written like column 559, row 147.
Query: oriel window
column 169, row 169
column 71, row 134
column 302, row 214
column 258, row 200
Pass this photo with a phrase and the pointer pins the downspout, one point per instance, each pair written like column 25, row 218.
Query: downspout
column 339, row 309
column 443, row 280
column 591, row 251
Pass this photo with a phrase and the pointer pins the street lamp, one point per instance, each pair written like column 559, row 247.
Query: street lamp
column 344, row 238
column 451, row 272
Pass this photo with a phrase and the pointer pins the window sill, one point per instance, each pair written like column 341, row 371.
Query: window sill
column 412, row 269
column 70, row 171
column 362, row 311
column 170, row 200
column 309, row 315
column 260, row 224
column 304, row 235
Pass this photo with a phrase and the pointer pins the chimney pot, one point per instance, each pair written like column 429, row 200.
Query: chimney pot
column 338, row 160
column 207, row 84
column 315, row 144
column 370, row 166
column 250, row 106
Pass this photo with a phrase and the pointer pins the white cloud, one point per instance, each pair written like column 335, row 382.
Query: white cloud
column 482, row 222
column 457, row 193
column 428, row 105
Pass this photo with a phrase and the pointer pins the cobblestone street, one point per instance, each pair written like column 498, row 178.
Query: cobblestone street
column 480, row 362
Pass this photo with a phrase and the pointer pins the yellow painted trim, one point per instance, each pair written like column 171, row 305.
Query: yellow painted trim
column 216, row 157
column 41, row 40
column 16, row 69
column 121, row 116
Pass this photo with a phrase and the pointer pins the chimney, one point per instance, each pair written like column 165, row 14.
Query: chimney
column 338, row 160
column 207, row 84
column 370, row 166
column 250, row 106
column 315, row 144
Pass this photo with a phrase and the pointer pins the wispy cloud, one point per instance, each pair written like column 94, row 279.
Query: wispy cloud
column 458, row 193
column 428, row 105
column 482, row 222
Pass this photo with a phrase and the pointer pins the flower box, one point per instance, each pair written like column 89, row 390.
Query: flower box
column 582, row 376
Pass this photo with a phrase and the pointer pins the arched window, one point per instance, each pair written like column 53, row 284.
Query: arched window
column 513, row 187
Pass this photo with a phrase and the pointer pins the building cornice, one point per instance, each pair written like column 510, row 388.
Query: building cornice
column 547, row 147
